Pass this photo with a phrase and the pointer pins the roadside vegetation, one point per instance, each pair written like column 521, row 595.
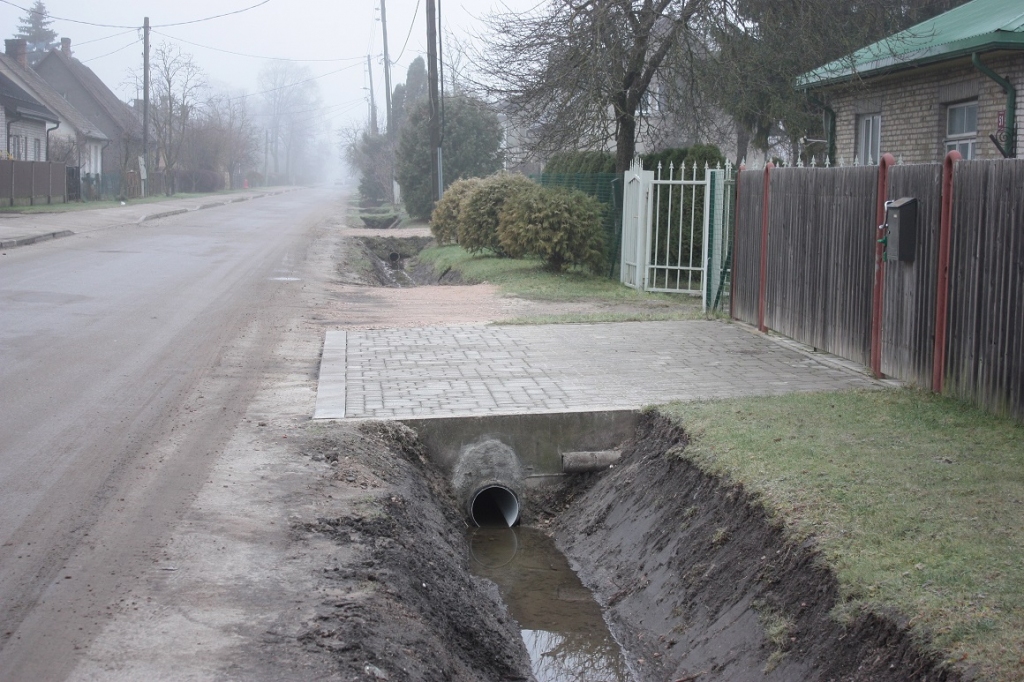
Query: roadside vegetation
column 112, row 203
column 915, row 500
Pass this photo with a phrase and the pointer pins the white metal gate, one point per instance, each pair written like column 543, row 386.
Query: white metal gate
column 675, row 230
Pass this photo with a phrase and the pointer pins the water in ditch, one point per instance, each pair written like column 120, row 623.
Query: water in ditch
column 561, row 623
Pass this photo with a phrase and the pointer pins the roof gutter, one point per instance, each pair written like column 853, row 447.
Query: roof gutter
column 1010, row 131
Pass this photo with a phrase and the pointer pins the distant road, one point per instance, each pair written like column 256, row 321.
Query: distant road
column 126, row 358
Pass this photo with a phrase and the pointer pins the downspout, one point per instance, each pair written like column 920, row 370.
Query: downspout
column 1010, row 150
column 48, row 131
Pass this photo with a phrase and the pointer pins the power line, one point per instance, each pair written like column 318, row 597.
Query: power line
column 292, row 85
column 409, row 34
column 216, row 16
column 91, row 23
column 255, row 56
column 100, row 40
column 92, row 59
column 73, row 21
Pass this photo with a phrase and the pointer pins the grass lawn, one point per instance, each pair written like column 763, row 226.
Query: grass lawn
column 528, row 278
column 917, row 501
column 92, row 205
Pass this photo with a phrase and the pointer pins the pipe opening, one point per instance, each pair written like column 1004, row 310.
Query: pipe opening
column 494, row 506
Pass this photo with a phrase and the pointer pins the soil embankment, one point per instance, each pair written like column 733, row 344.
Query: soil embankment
column 700, row 584
column 406, row 605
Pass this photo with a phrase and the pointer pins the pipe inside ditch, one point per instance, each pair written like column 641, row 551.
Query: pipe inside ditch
column 494, row 505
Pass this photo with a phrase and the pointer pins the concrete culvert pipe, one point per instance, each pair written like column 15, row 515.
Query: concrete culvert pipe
column 494, row 505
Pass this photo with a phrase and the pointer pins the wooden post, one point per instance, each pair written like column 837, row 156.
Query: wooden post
column 877, row 300
column 942, row 274
column 763, row 287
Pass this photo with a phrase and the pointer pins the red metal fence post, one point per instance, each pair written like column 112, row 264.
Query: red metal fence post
column 877, row 299
column 942, row 278
column 735, row 242
column 763, row 290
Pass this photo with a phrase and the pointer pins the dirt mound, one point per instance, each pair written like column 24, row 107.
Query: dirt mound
column 699, row 584
column 409, row 608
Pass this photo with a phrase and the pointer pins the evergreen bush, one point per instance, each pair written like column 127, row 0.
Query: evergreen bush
column 479, row 211
column 444, row 222
column 562, row 227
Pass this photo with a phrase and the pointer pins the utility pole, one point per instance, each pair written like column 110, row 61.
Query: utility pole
column 435, row 109
column 373, row 102
column 145, row 102
column 387, row 67
column 266, row 156
column 387, row 99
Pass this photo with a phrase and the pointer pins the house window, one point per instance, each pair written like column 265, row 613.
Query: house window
column 869, row 138
column 962, row 128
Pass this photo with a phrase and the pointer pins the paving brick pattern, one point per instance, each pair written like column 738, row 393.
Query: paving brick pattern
column 481, row 370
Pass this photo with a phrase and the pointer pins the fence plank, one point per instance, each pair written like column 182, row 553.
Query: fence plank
column 908, row 325
column 821, row 245
column 747, row 245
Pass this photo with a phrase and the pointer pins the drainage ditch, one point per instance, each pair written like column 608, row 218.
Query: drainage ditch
column 482, row 559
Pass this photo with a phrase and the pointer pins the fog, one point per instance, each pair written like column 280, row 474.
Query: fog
column 332, row 39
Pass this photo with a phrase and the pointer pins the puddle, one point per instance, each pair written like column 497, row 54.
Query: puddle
column 560, row 621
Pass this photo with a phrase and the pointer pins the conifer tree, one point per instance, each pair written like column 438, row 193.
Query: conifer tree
column 35, row 29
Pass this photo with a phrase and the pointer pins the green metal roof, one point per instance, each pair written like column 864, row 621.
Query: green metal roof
column 977, row 26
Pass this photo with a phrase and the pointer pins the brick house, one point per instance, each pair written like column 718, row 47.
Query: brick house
column 955, row 81
column 75, row 141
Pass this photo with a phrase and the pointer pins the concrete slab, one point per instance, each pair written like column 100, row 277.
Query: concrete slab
column 475, row 370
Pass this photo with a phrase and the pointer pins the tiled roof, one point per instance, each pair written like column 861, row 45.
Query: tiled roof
column 977, row 26
column 42, row 91
column 120, row 112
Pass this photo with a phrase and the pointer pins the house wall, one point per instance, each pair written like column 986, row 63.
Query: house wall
column 913, row 107
column 30, row 135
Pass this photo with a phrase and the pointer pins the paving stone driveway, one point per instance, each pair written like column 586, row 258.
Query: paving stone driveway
column 482, row 370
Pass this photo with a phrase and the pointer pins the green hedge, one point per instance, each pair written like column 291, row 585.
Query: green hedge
column 580, row 162
column 561, row 227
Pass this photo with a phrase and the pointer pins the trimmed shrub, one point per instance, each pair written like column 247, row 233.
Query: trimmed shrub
column 478, row 214
column 444, row 222
column 562, row 227
column 580, row 162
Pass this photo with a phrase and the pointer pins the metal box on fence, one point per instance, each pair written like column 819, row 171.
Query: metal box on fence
column 901, row 219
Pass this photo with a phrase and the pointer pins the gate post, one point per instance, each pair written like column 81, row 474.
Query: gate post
column 763, row 287
column 877, row 301
column 942, row 278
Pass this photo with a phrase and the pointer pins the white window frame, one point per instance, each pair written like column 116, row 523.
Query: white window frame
column 966, row 140
column 869, row 138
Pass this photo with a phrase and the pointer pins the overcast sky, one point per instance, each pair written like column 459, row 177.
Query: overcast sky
column 341, row 30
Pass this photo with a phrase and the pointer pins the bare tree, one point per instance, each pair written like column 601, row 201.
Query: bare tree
column 292, row 107
column 178, row 87
column 581, row 68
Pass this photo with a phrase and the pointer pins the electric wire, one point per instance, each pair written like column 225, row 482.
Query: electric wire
column 252, row 56
column 292, row 85
column 98, row 25
column 92, row 59
column 408, row 35
column 100, row 40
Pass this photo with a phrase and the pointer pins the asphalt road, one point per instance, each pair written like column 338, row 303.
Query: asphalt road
column 127, row 357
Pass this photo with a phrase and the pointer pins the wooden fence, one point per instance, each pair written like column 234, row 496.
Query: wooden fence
column 29, row 183
column 819, row 286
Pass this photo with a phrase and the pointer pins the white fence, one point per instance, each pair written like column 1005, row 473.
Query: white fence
column 676, row 231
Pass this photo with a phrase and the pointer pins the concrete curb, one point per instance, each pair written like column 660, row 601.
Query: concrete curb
column 34, row 239
column 164, row 214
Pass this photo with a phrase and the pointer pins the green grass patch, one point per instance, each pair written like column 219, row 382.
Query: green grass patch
column 917, row 501
column 528, row 278
column 597, row 318
column 113, row 203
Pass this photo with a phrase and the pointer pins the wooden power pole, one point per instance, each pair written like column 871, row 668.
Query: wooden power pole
column 435, row 108
column 373, row 102
column 387, row 68
column 145, row 103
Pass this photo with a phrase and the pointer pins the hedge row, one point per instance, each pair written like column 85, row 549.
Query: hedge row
column 509, row 215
